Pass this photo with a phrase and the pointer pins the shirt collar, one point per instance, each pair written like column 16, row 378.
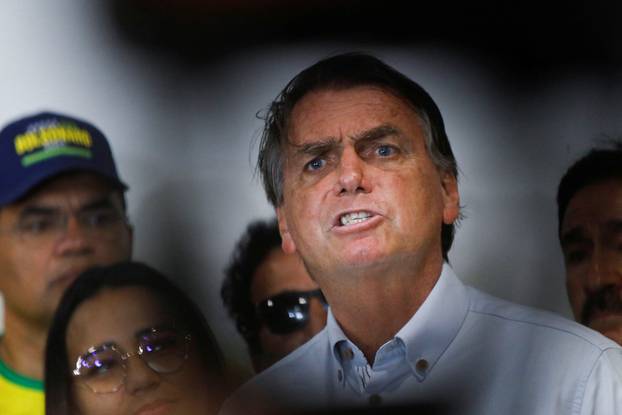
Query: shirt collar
column 430, row 330
column 434, row 326
column 335, row 334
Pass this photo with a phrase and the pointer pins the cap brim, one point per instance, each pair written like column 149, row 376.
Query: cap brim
column 26, row 186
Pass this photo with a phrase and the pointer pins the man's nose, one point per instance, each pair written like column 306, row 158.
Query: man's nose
column 604, row 268
column 351, row 174
column 74, row 239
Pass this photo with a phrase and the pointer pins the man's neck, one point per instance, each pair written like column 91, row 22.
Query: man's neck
column 371, row 308
column 22, row 346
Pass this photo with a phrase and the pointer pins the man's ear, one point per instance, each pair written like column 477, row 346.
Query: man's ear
column 287, row 244
column 451, row 198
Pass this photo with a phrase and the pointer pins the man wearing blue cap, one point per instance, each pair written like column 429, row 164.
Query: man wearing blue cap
column 62, row 210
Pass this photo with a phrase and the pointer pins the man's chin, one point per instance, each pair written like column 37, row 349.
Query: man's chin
column 368, row 249
column 363, row 260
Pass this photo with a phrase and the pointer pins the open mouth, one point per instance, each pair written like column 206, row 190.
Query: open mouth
column 353, row 218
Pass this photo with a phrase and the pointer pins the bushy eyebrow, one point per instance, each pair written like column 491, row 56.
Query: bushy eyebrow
column 577, row 234
column 377, row 133
column 99, row 203
column 40, row 209
column 573, row 236
column 324, row 145
column 320, row 146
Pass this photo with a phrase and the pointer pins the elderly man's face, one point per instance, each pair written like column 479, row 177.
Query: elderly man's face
column 591, row 237
column 360, row 189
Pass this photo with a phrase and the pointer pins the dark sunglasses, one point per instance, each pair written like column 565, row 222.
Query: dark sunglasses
column 287, row 312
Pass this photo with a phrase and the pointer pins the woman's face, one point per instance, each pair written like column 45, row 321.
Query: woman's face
column 117, row 322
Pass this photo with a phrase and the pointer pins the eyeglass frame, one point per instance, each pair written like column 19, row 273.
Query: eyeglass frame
column 83, row 215
column 307, row 295
column 125, row 356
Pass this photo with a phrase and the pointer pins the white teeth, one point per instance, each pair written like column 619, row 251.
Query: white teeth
column 355, row 217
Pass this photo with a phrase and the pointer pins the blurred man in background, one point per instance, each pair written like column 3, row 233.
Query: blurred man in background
column 62, row 210
column 589, row 203
column 277, row 307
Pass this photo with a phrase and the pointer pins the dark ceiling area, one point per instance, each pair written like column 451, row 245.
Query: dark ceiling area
column 526, row 38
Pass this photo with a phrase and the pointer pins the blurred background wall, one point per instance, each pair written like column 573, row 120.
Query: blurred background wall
column 176, row 86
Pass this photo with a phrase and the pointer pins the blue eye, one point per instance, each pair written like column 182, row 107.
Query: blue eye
column 385, row 151
column 315, row 164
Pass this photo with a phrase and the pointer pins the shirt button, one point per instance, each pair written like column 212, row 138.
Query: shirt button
column 375, row 400
column 339, row 375
column 421, row 365
column 347, row 354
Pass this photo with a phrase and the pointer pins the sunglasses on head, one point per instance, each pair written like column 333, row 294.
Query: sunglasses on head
column 287, row 312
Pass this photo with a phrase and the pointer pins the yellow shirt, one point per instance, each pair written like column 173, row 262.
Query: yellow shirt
column 19, row 395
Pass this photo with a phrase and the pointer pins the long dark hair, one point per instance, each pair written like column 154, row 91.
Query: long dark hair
column 58, row 378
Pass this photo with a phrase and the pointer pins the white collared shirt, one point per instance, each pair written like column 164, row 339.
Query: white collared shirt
column 462, row 352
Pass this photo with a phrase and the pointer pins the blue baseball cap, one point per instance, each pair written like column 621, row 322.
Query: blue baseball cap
column 41, row 146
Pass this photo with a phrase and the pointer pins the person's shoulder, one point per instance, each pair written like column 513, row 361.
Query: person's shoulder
column 282, row 381
column 532, row 319
column 18, row 394
column 305, row 357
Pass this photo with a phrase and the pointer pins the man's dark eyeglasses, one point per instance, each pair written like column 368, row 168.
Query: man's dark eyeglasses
column 287, row 312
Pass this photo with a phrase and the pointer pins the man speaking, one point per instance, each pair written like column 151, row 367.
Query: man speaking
column 355, row 158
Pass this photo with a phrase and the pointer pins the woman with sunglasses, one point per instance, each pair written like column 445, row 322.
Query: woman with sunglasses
column 125, row 340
